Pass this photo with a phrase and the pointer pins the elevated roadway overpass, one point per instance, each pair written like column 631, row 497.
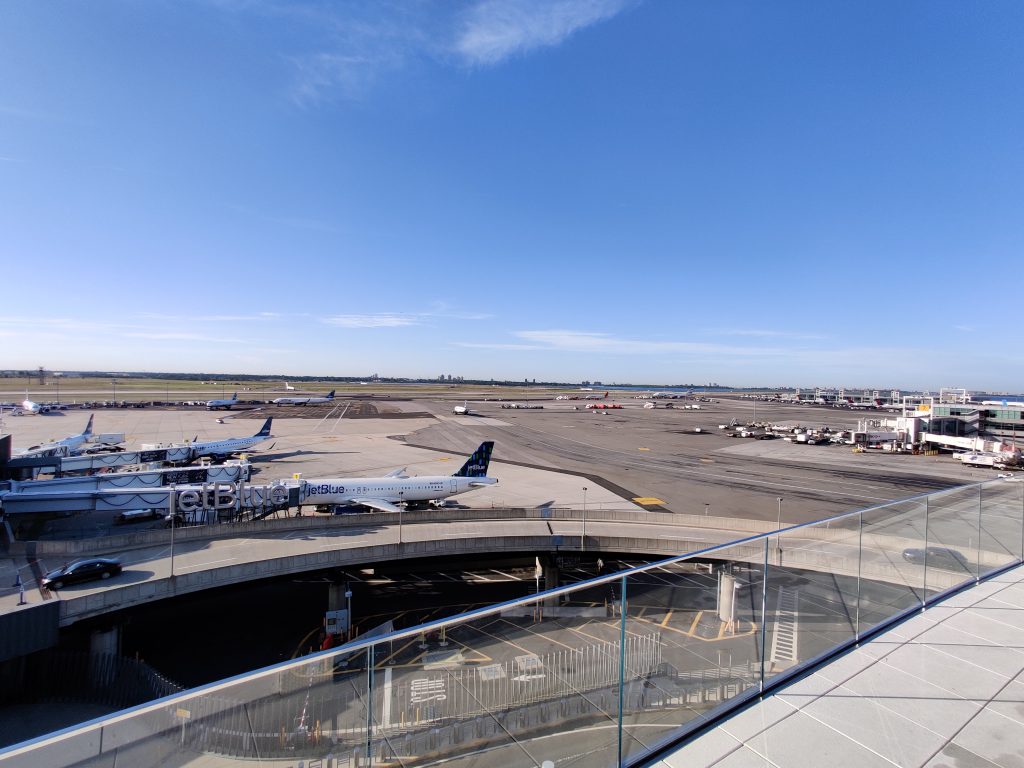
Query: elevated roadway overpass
column 206, row 557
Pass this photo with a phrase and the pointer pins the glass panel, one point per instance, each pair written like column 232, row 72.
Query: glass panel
column 609, row 668
column 306, row 712
column 692, row 642
column 893, row 538
column 1002, row 520
column 953, row 537
column 811, row 597
column 506, row 689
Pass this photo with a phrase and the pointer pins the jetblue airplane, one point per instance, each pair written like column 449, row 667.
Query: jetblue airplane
column 313, row 400
column 213, row 405
column 386, row 493
column 231, row 445
column 64, row 447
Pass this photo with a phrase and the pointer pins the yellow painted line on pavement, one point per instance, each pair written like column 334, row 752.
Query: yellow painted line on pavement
column 696, row 621
column 550, row 639
column 648, row 501
column 667, row 617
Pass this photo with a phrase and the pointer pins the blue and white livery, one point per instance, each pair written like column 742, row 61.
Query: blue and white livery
column 388, row 492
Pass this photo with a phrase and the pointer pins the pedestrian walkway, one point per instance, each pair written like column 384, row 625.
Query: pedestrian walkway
column 944, row 688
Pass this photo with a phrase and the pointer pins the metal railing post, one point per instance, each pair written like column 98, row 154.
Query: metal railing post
column 977, row 559
column 924, row 577
column 860, row 563
column 622, row 661
column 764, row 610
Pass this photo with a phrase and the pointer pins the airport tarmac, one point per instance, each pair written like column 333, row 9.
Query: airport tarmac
column 616, row 456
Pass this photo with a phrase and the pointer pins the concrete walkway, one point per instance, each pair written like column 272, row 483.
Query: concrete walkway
column 942, row 689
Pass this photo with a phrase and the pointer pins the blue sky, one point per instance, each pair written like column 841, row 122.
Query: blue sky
column 787, row 193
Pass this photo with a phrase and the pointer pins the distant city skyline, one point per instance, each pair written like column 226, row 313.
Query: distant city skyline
column 629, row 190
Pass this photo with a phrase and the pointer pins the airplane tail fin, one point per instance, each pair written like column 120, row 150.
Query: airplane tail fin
column 234, row 396
column 330, row 395
column 606, row 394
column 88, row 427
column 265, row 431
column 477, row 464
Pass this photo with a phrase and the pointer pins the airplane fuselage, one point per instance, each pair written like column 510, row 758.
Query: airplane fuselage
column 225, row 447
column 28, row 407
column 348, row 490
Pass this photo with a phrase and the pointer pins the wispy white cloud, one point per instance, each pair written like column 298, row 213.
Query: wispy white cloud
column 497, row 346
column 443, row 309
column 603, row 343
column 493, row 30
column 180, row 336
column 181, row 319
column 439, row 309
column 766, row 333
column 352, row 46
column 381, row 320
column 318, row 74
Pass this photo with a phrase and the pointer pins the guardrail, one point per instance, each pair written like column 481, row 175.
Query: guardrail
column 122, row 542
column 505, row 686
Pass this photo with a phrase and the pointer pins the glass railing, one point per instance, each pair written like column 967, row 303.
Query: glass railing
column 601, row 673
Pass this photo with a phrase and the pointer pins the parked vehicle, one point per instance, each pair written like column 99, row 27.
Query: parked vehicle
column 82, row 570
column 938, row 557
column 137, row 516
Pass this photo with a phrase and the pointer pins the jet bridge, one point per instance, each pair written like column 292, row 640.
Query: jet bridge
column 198, row 503
column 29, row 466
column 229, row 472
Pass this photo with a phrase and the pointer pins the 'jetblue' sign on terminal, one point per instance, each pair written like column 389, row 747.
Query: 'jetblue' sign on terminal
column 214, row 496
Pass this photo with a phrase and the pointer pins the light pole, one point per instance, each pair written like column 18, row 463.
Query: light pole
column 114, row 382
column 348, row 600
column 401, row 496
column 172, row 509
column 778, row 520
column 583, row 534
column 707, row 508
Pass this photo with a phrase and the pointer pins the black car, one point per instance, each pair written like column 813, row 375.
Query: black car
column 82, row 570
column 937, row 557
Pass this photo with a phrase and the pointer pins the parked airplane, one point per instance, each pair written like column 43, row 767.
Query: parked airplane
column 220, row 449
column 31, row 409
column 312, row 400
column 464, row 410
column 596, row 397
column 213, row 405
column 64, row 447
column 386, row 493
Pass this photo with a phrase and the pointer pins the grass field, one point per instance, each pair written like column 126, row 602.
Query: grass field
column 69, row 389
